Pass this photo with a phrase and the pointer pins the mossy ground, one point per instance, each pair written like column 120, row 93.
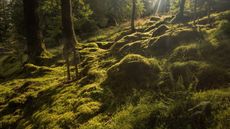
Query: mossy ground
column 164, row 76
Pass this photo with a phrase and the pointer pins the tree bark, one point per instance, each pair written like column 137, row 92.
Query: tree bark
column 69, row 36
column 35, row 47
column 133, row 15
column 182, row 4
column 195, row 12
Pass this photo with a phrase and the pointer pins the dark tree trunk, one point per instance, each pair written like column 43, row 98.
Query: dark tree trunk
column 182, row 4
column 133, row 15
column 35, row 48
column 209, row 6
column 195, row 11
column 69, row 36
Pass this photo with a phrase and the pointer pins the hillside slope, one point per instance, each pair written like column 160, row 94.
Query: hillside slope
column 164, row 76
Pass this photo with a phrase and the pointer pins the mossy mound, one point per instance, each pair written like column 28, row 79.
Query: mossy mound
column 104, row 45
column 160, row 30
column 155, row 18
column 32, row 70
column 136, row 36
column 208, row 76
column 133, row 72
column 137, row 47
column 186, row 70
column 10, row 65
column 186, row 53
column 213, row 77
column 168, row 41
column 155, row 25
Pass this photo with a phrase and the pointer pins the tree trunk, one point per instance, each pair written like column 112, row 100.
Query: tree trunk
column 133, row 15
column 35, row 48
column 182, row 4
column 195, row 12
column 209, row 6
column 69, row 36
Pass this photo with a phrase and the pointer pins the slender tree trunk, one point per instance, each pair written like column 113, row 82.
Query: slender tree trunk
column 195, row 12
column 69, row 36
column 35, row 48
column 182, row 4
column 133, row 15
column 209, row 4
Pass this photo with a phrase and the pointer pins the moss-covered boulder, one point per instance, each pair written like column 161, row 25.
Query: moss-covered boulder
column 160, row 30
column 167, row 42
column 213, row 77
column 134, row 48
column 186, row 53
column 154, row 26
column 186, row 70
column 135, row 37
column 133, row 72
column 34, row 71
column 10, row 65
column 104, row 45
column 155, row 18
column 206, row 75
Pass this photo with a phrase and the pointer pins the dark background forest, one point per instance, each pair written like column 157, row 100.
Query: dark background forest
column 115, row 64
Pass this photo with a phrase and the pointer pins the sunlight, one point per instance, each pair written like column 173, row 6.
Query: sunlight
column 158, row 7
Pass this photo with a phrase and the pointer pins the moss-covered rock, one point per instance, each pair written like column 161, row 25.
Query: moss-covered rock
column 155, row 18
column 168, row 41
column 137, row 47
column 154, row 26
column 186, row 53
column 133, row 72
column 160, row 30
column 104, row 45
column 186, row 70
column 34, row 71
column 213, row 77
column 10, row 65
column 208, row 76
column 135, row 37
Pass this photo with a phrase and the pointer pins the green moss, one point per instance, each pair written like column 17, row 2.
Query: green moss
column 209, row 76
column 10, row 65
column 154, row 26
column 212, row 77
column 129, row 39
column 167, row 42
column 33, row 70
column 89, row 108
column 160, row 30
column 133, row 71
column 141, row 115
column 186, row 53
column 186, row 70
column 137, row 47
column 222, row 119
column 104, row 45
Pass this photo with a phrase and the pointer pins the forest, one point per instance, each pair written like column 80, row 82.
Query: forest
column 114, row 64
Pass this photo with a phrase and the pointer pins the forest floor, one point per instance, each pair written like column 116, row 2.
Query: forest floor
column 163, row 76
